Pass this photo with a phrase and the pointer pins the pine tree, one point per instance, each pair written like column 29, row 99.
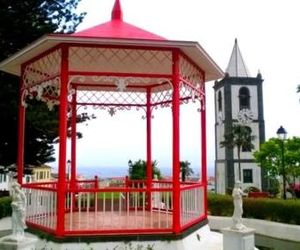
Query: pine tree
column 22, row 22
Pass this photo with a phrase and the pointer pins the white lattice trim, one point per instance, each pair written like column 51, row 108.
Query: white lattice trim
column 120, row 60
column 42, row 69
column 189, row 72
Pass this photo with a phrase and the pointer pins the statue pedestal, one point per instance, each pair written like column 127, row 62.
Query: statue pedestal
column 238, row 239
column 11, row 242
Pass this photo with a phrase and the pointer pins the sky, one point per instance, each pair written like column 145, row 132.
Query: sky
column 268, row 37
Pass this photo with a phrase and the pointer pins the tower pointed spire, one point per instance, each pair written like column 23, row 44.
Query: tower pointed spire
column 117, row 13
column 236, row 66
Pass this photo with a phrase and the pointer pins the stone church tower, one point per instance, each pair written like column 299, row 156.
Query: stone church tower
column 238, row 100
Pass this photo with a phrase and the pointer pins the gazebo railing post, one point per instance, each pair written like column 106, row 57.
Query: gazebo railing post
column 63, row 101
column 176, row 142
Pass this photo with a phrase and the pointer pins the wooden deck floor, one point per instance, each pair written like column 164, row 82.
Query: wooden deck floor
column 115, row 220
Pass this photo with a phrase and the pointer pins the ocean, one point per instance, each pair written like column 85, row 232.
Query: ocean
column 105, row 172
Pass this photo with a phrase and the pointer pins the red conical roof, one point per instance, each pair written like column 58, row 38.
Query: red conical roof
column 116, row 28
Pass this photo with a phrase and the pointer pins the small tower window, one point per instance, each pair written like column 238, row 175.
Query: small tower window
column 244, row 96
column 220, row 101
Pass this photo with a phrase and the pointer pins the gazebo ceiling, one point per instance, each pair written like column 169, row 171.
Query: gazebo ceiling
column 121, row 36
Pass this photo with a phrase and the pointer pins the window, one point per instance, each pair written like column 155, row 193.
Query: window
column 220, row 101
column 244, row 96
column 248, row 175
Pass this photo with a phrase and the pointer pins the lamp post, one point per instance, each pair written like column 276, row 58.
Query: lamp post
column 281, row 133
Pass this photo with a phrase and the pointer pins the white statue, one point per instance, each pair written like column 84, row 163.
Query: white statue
column 18, row 211
column 237, row 195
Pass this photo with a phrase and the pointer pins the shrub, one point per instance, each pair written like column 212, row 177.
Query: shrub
column 5, row 207
column 285, row 211
column 220, row 205
column 251, row 189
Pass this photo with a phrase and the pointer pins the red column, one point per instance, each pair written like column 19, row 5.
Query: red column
column 21, row 130
column 149, row 147
column 61, row 186
column 203, row 151
column 73, row 147
column 176, row 143
column 73, row 139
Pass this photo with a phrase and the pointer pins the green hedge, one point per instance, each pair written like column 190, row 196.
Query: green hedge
column 285, row 211
column 5, row 207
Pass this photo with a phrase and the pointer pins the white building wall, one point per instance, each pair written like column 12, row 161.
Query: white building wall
column 220, row 178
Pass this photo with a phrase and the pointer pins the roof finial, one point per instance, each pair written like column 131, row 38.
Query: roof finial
column 117, row 13
column 236, row 66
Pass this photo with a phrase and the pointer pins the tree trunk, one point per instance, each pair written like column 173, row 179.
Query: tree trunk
column 239, row 158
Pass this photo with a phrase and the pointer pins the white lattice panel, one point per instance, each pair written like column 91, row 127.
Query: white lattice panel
column 111, row 98
column 120, row 60
column 42, row 69
column 189, row 72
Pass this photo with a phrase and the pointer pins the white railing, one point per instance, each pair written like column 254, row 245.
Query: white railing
column 41, row 207
column 192, row 204
column 134, row 207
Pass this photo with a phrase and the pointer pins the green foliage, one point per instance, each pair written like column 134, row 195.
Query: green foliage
column 285, row 211
column 23, row 21
column 185, row 169
column 137, row 170
column 239, row 137
column 220, row 205
column 5, row 207
column 269, row 157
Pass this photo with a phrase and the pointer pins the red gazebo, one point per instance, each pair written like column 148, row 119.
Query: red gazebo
column 114, row 65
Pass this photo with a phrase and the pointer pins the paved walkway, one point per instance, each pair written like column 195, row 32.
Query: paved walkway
column 5, row 223
column 5, row 226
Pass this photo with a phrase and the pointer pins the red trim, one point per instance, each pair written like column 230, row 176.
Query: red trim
column 63, row 109
column 109, row 46
column 110, row 104
column 192, row 186
column 118, row 231
column 108, row 74
column 43, row 228
column 176, row 143
column 203, row 151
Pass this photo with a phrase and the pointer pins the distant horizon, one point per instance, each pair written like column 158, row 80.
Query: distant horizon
column 117, row 171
